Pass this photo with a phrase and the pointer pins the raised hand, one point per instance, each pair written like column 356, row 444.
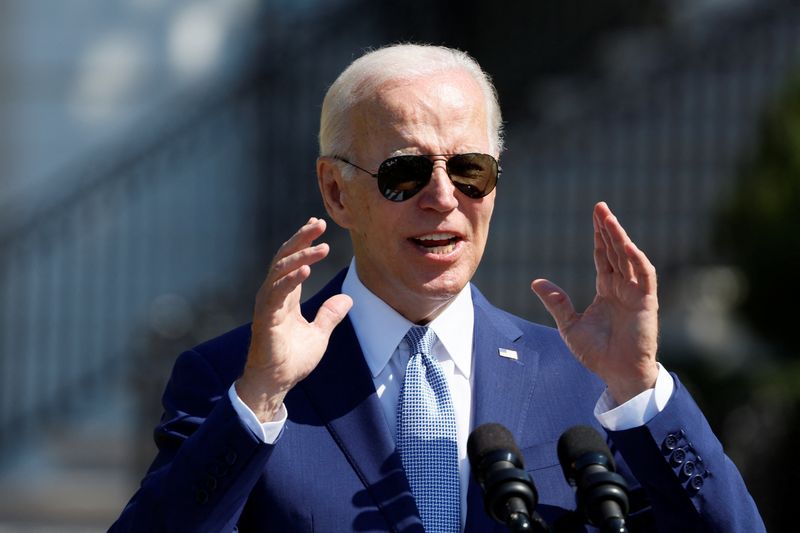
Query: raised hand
column 616, row 337
column 285, row 347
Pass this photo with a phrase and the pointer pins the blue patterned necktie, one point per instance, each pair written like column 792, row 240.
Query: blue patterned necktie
column 426, row 436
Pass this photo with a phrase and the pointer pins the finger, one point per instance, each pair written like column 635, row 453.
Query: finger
column 644, row 269
column 601, row 263
column 605, row 271
column 288, row 270
column 281, row 289
column 302, row 238
column 601, row 210
column 332, row 312
column 600, row 213
column 611, row 254
column 618, row 238
column 306, row 256
column 556, row 301
column 274, row 294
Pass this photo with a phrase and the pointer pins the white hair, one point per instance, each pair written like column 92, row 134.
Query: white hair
column 369, row 72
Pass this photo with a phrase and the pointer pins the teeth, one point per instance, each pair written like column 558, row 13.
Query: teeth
column 437, row 237
column 441, row 249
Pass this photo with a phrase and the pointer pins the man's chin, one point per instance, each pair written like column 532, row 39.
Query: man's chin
column 442, row 288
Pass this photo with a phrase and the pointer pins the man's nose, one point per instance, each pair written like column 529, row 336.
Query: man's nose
column 439, row 193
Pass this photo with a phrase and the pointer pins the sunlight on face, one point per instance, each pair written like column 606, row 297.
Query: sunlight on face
column 417, row 254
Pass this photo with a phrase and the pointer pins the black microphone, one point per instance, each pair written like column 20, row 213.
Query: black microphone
column 601, row 493
column 508, row 492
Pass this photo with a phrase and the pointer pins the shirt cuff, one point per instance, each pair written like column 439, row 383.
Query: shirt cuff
column 268, row 432
column 637, row 411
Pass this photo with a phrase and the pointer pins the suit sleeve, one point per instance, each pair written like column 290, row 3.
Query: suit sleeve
column 208, row 460
column 684, row 472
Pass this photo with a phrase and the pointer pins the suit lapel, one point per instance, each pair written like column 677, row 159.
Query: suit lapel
column 342, row 392
column 502, row 387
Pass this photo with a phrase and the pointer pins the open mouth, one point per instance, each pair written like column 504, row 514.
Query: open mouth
column 437, row 243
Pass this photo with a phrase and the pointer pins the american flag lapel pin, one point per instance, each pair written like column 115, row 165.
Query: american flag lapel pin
column 508, row 354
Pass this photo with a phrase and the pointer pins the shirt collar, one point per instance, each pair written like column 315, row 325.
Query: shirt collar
column 380, row 329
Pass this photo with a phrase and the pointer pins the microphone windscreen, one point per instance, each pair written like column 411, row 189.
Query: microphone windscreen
column 489, row 438
column 578, row 441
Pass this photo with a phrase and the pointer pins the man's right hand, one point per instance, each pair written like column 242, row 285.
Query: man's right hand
column 285, row 347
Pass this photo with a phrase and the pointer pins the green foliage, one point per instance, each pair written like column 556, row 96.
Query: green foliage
column 759, row 229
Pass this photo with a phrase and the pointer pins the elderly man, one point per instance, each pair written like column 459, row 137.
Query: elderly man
column 352, row 410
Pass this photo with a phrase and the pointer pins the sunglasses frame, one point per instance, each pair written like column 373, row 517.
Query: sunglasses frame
column 395, row 195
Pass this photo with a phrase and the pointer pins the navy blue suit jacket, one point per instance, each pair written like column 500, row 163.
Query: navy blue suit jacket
column 335, row 467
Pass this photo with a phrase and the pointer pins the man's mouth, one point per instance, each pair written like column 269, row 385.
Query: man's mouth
column 437, row 243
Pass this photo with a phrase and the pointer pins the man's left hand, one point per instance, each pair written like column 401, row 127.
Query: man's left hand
column 616, row 337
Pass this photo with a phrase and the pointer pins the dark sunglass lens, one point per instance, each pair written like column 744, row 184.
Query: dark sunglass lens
column 474, row 174
column 401, row 177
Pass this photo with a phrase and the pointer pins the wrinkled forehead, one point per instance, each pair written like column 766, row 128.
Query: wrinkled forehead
column 434, row 113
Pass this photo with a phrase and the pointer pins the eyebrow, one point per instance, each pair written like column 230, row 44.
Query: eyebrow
column 429, row 154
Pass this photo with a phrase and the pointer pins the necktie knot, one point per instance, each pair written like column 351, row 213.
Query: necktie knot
column 421, row 340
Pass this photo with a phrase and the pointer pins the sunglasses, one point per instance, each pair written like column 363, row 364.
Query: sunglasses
column 403, row 176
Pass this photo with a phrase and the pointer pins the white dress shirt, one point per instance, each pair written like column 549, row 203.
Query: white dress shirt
column 380, row 331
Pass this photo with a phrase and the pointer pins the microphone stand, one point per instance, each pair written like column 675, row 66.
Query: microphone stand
column 520, row 522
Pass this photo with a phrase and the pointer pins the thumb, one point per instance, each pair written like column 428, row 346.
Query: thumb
column 332, row 312
column 556, row 301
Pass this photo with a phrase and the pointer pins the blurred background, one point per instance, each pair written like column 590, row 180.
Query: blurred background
column 154, row 154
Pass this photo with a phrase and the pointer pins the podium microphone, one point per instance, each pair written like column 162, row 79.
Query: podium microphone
column 509, row 495
column 601, row 493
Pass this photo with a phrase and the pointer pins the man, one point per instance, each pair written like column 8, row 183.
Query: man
column 306, row 421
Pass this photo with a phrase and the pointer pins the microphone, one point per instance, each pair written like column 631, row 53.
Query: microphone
column 508, row 492
column 601, row 493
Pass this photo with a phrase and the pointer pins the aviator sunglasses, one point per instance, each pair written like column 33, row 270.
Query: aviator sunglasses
column 403, row 176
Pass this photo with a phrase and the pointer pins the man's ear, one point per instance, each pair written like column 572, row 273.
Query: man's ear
column 332, row 187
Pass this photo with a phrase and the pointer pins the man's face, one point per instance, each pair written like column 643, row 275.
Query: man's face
column 417, row 254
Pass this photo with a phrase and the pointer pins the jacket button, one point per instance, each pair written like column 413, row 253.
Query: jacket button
column 678, row 457
column 670, row 442
column 688, row 470
column 231, row 457
column 201, row 496
column 218, row 470
column 695, row 484
column 211, row 483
